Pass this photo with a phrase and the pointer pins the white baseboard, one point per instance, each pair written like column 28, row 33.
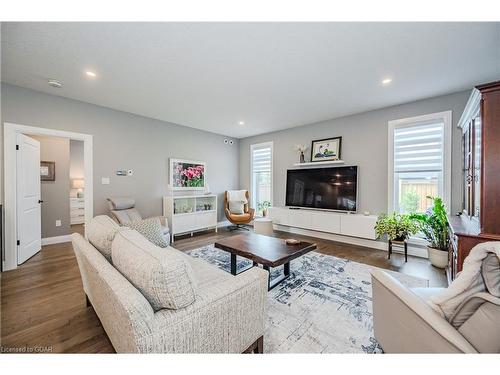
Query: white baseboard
column 57, row 239
column 379, row 245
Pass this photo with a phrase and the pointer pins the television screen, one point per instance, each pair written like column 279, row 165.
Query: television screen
column 323, row 188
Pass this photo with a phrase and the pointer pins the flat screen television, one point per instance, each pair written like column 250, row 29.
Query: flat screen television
column 323, row 188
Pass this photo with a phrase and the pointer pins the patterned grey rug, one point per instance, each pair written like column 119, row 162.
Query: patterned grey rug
column 325, row 306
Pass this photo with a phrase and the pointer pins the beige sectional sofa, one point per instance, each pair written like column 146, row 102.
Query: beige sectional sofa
column 157, row 300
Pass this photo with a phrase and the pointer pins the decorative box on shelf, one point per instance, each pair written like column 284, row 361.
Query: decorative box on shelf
column 190, row 213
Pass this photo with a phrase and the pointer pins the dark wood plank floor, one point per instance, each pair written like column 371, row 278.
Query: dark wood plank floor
column 43, row 303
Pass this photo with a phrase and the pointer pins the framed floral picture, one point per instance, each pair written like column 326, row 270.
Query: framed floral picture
column 326, row 149
column 187, row 174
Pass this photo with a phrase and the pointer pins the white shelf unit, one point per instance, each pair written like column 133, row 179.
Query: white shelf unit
column 353, row 225
column 190, row 213
column 319, row 163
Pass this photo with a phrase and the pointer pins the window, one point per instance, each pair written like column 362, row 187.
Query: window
column 261, row 159
column 419, row 162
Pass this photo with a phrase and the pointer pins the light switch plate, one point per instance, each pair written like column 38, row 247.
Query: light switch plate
column 58, row 223
column 105, row 180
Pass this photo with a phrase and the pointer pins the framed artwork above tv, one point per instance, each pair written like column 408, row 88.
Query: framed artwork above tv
column 187, row 174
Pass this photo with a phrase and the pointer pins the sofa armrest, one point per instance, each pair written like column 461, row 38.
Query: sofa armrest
column 404, row 323
column 225, row 318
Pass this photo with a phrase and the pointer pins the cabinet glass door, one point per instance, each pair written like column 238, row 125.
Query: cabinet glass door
column 477, row 167
column 467, row 170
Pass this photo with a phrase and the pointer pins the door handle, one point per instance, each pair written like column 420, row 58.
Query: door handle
column 40, row 201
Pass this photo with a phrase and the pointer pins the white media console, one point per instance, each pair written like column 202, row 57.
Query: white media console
column 353, row 225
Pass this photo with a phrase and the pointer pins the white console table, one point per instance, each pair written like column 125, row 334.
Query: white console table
column 353, row 225
column 190, row 213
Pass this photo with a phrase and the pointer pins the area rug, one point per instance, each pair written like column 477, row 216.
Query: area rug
column 325, row 306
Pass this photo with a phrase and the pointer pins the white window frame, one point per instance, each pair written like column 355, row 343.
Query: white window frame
column 252, row 148
column 446, row 117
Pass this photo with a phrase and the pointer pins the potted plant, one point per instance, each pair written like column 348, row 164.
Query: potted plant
column 434, row 225
column 397, row 227
column 263, row 207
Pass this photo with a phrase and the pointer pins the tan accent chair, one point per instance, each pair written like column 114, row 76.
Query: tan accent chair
column 236, row 218
column 404, row 322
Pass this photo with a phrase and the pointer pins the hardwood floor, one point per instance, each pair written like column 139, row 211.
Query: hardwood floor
column 43, row 303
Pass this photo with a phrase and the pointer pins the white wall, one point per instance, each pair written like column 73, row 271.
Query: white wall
column 364, row 143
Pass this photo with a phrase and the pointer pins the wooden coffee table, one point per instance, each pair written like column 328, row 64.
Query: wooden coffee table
column 268, row 251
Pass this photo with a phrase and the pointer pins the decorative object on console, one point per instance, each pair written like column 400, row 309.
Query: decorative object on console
column 301, row 149
column 326, row 149
column 187, row 174
column 78, row 184
column 434, row 225
column 47, row 171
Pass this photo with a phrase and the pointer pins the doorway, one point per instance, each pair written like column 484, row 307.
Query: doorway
column 21, row 196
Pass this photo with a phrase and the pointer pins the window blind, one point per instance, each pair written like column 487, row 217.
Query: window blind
column 261, row 159
column 419, row 148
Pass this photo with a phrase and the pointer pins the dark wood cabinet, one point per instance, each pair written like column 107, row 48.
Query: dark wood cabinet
column 479, row 220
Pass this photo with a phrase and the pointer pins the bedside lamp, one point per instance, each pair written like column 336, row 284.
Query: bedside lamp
column 78, row 184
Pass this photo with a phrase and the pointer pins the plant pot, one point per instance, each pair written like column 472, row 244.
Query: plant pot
column 264, row 212
column 438, row 257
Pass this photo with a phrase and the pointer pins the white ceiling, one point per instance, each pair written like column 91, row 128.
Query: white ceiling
column 270, row 75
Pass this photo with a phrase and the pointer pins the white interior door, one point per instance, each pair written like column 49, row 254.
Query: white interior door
column 29, row 234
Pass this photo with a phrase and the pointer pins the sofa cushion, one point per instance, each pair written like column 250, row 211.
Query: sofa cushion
column 490, row 270
column 151, row 229
column 100, row 232
column 163, row 276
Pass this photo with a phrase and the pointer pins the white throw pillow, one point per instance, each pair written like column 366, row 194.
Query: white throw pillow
column 237, row 207
column 163, row 276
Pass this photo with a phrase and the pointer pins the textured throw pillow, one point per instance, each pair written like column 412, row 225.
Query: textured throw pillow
column 100, row 232
column 151, row 229
column 490, row 270
column 236, row 207
column 163, row 276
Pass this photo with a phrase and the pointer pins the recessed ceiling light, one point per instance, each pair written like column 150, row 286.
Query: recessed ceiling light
column 241, row 123
column 386, row 81
column 90, row 74
column 54, row 83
